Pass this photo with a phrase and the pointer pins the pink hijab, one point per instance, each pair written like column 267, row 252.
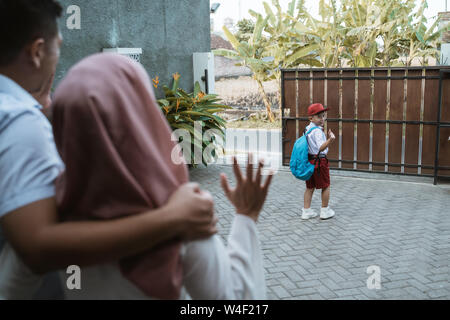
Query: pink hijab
column 116, row 145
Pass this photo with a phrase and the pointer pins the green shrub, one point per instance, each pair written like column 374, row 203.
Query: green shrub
column 183, row 110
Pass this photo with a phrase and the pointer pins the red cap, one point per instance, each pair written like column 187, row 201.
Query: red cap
column 315, row 109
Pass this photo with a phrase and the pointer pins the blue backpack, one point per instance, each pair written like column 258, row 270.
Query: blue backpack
column 301, row 168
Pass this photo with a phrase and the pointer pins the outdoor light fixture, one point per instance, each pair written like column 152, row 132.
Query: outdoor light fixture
column 214, row 7
column 133, row 53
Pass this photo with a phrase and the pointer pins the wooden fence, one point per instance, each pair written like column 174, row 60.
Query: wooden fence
column 388, row 120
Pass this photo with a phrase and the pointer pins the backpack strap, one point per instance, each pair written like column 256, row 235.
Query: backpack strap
column 310, row 130
column 306, row 134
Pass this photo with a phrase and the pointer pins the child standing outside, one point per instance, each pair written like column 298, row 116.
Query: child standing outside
column 317, row 154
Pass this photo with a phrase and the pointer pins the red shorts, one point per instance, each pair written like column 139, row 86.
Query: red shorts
column 320, row 178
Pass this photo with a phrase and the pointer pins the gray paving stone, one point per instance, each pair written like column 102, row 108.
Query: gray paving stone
column 402, row 227
column 280, row 292
column 303, row 291
column 294, row 276
column 440, row 293
column 310, row 283
column 348, row 292
column 314, row 297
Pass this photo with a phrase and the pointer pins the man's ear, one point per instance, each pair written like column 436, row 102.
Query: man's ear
column 36, row 52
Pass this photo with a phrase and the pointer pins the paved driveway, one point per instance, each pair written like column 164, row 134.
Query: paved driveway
column 401, row 229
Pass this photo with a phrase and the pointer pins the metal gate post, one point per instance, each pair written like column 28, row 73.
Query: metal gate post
column 438, row 130
column 283, row 128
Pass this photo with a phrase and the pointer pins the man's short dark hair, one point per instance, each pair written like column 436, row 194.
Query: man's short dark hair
column 23, row 21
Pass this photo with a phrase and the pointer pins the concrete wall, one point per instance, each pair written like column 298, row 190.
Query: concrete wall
column 168, row 31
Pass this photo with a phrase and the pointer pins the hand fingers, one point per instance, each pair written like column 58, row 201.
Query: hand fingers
column 212, row 228
column 250, row 167
column 193, row 186
column 237, row 171
column 225, row 185
column 258, row 173
column 267, row 183
column 206, row 195
column 48, row 85
column 212, row 231
column 215, row 220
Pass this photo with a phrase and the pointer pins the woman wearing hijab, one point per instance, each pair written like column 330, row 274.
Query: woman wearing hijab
column 117, row 147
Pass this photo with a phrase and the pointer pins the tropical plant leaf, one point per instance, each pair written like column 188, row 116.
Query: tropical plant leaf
column 302, row 52
column 234, row 42
column 227, row 53
column 163, row 102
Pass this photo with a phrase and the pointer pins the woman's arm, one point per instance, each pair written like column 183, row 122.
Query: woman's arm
column 45, row 244
column 215, row 272
column 236, row 272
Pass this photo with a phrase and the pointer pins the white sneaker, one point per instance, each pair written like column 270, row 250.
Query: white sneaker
column 326, row 213
column 308, row 213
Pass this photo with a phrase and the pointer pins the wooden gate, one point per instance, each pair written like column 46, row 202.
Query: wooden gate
column 386, row 120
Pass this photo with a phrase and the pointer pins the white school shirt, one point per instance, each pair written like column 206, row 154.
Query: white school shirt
column 29, row 161
column 29, row 165
column 211, row 271
column 316, row 139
